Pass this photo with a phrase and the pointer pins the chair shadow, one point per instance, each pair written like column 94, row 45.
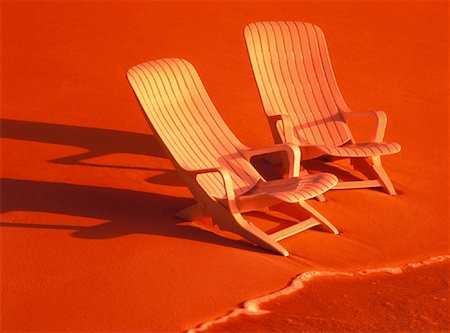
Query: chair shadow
column 97, row 141
column 126, row 211
column 323, row 165
column 170, row 177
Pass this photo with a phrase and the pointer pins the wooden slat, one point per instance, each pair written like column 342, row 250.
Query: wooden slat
column 194, row 129
column 357, row 184
column 293, row 189
column 180, row 120
column 226, row 143
column 300, row 50
column 362, row 149
column 180, row 110
column 329, row 108
column 294, row 229
column 295, row 77
column 320, row 109
column 242, row 168
column 332, row 83
column 256, row 54
column 286, row 62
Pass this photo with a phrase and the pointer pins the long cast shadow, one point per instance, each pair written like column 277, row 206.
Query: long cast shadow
column 126, row 211
column 97, row 141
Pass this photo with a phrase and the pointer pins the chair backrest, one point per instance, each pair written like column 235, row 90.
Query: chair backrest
column 184, row 117
column 294, row 76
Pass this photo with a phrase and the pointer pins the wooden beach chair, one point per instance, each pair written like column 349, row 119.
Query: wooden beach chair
column 213, row 162
column 302, row 101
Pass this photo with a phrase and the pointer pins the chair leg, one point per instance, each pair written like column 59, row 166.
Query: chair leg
column 372, row 168
column 321, row 198
column 237, row 224
column 322, row 219
column 382, row 176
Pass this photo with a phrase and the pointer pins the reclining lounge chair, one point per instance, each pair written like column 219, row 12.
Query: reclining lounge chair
column 302, row 101
column 213, row 162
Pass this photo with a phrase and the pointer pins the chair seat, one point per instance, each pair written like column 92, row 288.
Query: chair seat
column 200, row 143
column 361, row 149
column 293, row 189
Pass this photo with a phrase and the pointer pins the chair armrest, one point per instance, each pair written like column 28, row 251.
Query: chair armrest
column 226, row 177
column 292, row 151
column 286, row 122
column 381, row 121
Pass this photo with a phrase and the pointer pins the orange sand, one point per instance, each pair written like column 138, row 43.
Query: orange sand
column 416, row 300
column 89, row 241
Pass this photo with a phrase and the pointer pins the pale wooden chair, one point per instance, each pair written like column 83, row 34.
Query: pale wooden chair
column 302, row 101
column 213, row 162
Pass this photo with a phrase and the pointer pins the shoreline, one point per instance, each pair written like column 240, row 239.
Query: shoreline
column 252, row 307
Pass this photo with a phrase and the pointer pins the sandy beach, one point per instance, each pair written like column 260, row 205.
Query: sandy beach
column 405, row 298
column 89, row 240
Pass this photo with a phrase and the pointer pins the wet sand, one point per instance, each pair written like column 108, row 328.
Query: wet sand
column 406, row 300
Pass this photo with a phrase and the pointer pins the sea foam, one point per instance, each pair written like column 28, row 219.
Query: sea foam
column 253, row 307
